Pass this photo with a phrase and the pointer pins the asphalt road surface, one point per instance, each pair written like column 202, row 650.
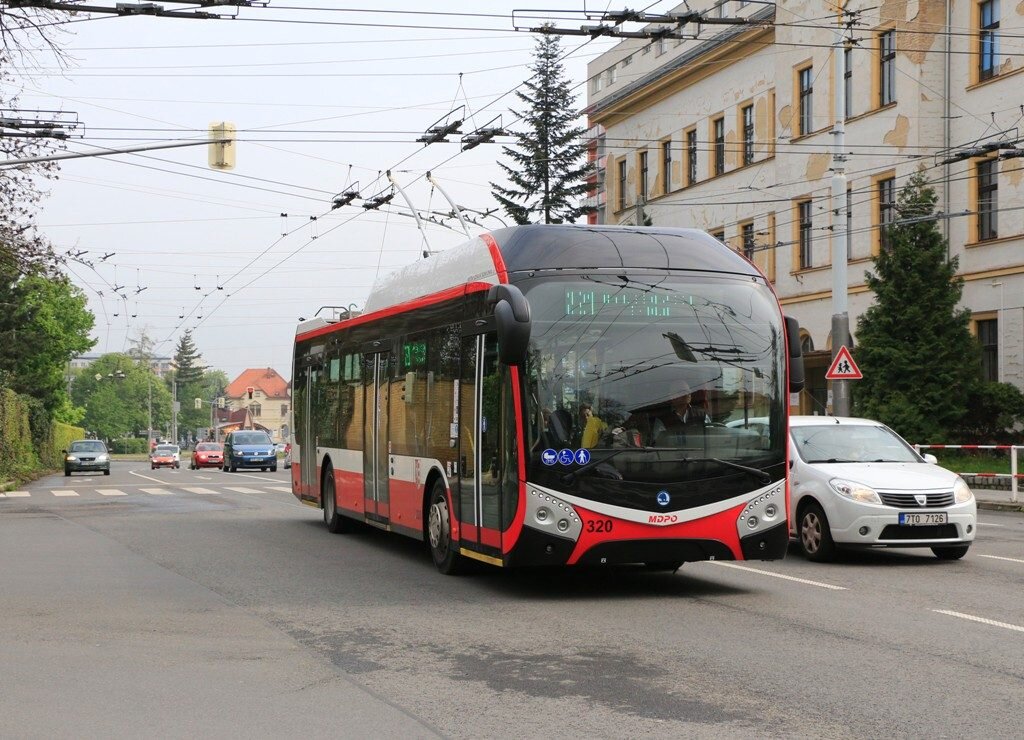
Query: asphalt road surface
column 199, row 603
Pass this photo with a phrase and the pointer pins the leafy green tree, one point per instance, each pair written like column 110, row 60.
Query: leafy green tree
column 44, row 322
column 915, row 348
column 189, row 377
column 115, row 392
column 549, row 170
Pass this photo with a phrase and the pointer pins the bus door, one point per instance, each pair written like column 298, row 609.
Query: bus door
column 305, row 432
column 376, row 385
column 479, row 474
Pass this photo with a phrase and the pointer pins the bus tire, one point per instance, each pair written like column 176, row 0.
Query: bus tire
column 439, row 533
column 336, row 522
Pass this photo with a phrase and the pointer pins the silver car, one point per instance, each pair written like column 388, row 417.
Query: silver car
column 856, row 483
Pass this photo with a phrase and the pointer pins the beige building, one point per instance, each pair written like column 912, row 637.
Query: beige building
column 266, row 396
column 732, row 132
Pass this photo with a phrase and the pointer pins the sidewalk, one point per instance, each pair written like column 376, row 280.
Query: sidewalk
column 994, row 499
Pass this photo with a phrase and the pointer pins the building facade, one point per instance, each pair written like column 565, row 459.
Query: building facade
column 732, row 132
column 266, row 396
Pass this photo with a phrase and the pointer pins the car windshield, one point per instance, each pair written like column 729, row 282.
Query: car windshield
column 683, row 369
column 251, row 438
column 208, row 447
column 857, row 443
column 90, row 445
column 166, row 449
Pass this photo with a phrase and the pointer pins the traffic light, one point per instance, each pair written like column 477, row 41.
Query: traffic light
column 220, row 402
column 221, row 149
column 249, row 390
column 199, row 403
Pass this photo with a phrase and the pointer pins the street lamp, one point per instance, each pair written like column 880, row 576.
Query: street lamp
column 1000, row 347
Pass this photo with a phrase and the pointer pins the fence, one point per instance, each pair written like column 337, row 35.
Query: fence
column 1013, row 475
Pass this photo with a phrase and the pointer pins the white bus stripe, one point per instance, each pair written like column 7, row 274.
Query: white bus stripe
column 110, row 492
column 982, row 620
column 998, row 557
column 819, row 584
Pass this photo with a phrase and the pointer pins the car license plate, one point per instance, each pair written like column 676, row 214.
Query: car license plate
column 916, row 519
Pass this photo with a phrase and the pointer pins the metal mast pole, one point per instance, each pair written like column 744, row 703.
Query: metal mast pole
column 840, row 315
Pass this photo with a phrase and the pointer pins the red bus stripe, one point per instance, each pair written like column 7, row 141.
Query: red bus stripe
column 499, row 261
column 515, row 528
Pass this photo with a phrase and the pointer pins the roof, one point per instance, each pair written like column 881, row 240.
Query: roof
column 265, row 379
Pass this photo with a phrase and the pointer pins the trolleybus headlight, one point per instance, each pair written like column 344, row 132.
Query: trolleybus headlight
column 752, row 522
column 543, row 515
column 563, row 525
column 962, row 492
column 770, row 511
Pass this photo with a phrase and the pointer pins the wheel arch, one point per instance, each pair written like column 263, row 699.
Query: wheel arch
column 433, row 476
column 325, row 464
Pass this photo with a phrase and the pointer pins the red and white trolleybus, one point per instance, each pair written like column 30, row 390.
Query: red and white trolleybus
column 556, row 395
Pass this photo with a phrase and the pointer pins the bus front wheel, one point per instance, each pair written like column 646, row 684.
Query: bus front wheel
column 439, row 533
column 336, row 522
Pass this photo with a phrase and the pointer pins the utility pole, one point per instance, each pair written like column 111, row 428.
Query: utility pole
column 840, row 314
column 174, row 411
column 149, row 433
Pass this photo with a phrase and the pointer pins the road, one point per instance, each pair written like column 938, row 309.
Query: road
column 200, row 603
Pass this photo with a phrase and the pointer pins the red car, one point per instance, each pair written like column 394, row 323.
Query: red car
column 165, row 456
column 207, row 455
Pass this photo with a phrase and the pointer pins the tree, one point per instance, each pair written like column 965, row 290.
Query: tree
column 915, row 348
column 117, row 401
column 189, row 377
column 44, row 322
column 548, row 172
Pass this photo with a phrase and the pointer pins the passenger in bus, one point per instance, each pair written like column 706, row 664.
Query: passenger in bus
column 668, row 424
column 592, row 427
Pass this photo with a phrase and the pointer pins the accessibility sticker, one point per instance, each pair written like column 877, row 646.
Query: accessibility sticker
column 549, row 457
column 582, row 456
column 565, row 457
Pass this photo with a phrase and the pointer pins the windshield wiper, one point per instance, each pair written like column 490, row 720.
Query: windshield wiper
column 838, row 460
column 756, row 472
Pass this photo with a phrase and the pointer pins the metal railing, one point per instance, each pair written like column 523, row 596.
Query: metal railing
column 1013, row 475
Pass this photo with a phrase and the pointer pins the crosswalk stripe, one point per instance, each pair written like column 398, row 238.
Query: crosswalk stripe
column 239, row 489
column 17, row 494
column 157, row 491
column 63, row 492
column 283, row 489
column 204, row 491
column 110, row 492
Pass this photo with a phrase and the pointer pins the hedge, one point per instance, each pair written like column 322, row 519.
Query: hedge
column 23, row 432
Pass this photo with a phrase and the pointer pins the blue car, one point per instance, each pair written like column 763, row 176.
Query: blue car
column 248, row 448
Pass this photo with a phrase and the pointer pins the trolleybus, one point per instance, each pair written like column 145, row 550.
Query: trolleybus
column 556, row 395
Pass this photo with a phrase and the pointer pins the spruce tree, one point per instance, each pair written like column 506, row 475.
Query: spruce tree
column 549, row 170
column 914, row 345
column 189, row 377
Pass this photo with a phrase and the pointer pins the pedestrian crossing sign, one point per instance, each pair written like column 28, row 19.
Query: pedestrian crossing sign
column 843, row 367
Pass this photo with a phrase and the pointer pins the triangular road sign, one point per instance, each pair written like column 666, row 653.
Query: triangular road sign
column 843, row 367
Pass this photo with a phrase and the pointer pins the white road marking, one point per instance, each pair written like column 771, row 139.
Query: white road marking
column 997, row 557
column 110, row 492
column 203, row 477
column 250, row 476
column 283, row 489
column 155, row 480
column 819, row 584
column 16, row 494
column 63, row 492
column 203, row 491
column 157, row 491
column 239, row 489
column 982, row 620
column 986, row 524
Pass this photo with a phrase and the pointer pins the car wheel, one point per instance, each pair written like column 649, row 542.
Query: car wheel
column 815, row 536
column 263, row 470
column 106, row 471
column 152, row 467
column 67, row 472
column 273, row 469
column 951, row 553
column 336, row 522
column 439, row 533
column 234, row 468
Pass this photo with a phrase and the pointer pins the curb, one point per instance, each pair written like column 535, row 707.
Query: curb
column 1000, row 506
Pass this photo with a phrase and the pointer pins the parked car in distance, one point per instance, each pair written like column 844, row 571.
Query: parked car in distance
column 856, row 483
column 207, row 455
column 249, row 448
column 86, row 455
column 165, row 456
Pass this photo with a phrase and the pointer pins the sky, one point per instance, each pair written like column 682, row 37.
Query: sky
column 324, row 100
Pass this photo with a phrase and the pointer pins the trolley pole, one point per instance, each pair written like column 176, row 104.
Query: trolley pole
column 840, row 314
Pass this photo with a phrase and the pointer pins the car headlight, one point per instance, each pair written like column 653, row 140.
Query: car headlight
column 962, row 492
column 101, row 458
column 855, row 491
column 70, row 458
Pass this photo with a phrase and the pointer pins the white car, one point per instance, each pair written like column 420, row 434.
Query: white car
column 856, row 483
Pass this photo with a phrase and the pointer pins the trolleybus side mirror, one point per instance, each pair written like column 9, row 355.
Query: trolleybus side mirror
column 512, row 317
column 796, row 358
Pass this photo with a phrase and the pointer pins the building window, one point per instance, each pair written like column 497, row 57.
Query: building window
column 887, row 67
column 255, row 409
column 596, row 82
column 748, row 134
column 804, row 238
column 643, row 177
column 886, row 209
column 627, row 61
column 747, row 235
column 806, row 120
column 988, row 39
column 661, row 46
column 666, row 166
column 719, row 234
column 691, row 156
column 988, row 338
column 988, row 200
column 848, row 81
column 613, row 74
column 284, row 410
column 622, row 184
column 719, row 137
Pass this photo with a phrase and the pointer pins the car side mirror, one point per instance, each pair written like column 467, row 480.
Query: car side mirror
column 931, row 459
column 796, row 358
column 512, row 319
column 791, row 463
column 63, row 452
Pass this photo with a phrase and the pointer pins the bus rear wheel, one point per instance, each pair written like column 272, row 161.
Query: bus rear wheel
column 439, row 533
column 336, row 522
